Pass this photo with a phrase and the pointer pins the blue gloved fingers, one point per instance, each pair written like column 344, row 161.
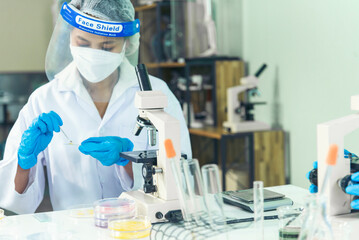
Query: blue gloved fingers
column 84, row 150
column 308, row 174
column 56, row 121
column 355, row 177
column 128, row 145
column 91, row 151
column 352, row 189
column 94, row 140
column 346, row 153
column 315, row 164
column 41, row 125
column 56, row 117
column 47, row 119
column 52, row 120
column 90, row 147
column 44, row 123
column 313, row 189
column 93, row 144
column 100, row 147
column 355, row 204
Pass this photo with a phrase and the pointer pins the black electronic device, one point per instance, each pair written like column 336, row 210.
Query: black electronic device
column 244, row 199
column 247, row 195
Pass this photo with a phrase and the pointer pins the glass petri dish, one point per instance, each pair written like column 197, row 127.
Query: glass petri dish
column 130, row 228
column 112, row 207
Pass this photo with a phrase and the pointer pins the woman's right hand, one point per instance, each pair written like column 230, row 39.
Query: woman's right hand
column 37, row 137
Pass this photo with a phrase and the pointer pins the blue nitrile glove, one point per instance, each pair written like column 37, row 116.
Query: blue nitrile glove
column 347, row 154
column 107, row 149
column 37, row 137
column 354, row 190
column 312, row 188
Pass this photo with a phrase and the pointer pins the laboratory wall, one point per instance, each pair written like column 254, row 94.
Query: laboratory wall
column 26, row 28
column 312, row 52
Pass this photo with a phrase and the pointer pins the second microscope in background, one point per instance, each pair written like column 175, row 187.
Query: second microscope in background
column 239, row 116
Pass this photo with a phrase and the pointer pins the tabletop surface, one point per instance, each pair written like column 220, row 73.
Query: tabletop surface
column 60, row 225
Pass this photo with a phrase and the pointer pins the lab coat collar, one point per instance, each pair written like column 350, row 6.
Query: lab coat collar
column 70, row 80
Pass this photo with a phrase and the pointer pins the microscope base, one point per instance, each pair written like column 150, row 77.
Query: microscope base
column 246, row 126
column 150, row 206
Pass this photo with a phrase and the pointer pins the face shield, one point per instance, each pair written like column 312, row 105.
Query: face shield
column 95, row 46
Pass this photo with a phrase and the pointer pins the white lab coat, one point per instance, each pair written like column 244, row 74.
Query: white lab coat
column 75, row 178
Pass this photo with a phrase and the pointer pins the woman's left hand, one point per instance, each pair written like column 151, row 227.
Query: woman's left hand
column 107, row 149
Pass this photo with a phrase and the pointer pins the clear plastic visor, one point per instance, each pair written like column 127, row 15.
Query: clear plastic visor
column 96, row 48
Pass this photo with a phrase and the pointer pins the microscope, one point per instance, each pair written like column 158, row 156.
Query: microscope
column 159, row 198
column 239, row 117
column 333, row 132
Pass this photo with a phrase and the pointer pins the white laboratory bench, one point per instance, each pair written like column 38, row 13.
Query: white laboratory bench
column 60, row 225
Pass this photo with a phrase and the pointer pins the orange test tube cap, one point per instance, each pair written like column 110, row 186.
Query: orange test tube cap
column 170, row 151
column 332, row 154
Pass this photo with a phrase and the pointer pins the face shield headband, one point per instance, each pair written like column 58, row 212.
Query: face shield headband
column 99, row 27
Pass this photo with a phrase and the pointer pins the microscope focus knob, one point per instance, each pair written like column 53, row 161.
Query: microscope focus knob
column 149, row 188
column 147, row 171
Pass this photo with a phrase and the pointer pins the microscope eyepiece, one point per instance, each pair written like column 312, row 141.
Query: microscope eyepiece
column 260, row 70
column 142, row 77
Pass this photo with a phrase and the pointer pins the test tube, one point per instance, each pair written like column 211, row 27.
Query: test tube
column 197, row 205
column 177, row 169
column 213, row 194
column 258, row 204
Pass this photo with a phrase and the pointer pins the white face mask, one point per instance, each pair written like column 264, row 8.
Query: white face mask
column 96, row 65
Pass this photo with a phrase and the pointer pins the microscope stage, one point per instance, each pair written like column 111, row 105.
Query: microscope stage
column 141, row 156
column 147, row 156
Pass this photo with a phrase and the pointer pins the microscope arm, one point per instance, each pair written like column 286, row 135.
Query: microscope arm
column 168, row 128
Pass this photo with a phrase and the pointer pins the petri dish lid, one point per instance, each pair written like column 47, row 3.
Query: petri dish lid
column 114, row 206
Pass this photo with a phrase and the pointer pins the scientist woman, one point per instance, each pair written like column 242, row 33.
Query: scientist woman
column 91, row 97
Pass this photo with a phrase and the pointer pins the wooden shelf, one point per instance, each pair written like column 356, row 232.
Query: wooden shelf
column 209, row 132
column 145, row 7
column 165, row 65
column 218, row 132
